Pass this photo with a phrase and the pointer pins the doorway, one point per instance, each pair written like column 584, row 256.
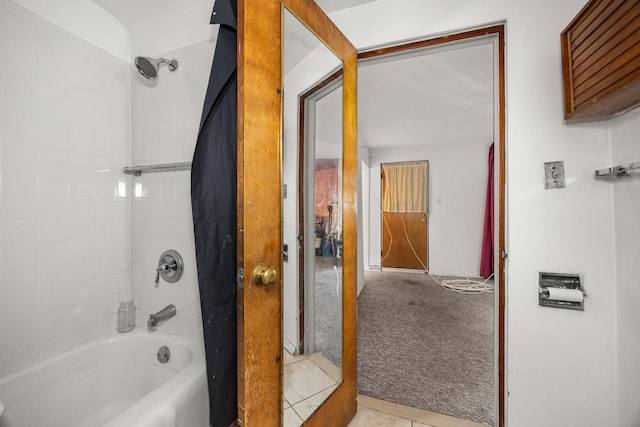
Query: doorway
column 494, row 38
column 405, row 215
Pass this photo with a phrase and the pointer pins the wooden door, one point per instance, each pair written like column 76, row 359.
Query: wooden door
column 405, row 229
column 260, row 343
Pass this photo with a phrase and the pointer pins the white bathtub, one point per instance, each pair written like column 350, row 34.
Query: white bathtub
column 115, row 381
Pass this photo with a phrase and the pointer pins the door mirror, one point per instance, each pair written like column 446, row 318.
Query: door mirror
column 312, row 287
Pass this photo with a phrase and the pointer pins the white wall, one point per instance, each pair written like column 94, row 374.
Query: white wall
column 166, row 117
column 626, row 192
column 457, row 197
column 86, row 20
column 65, row 231
column 560, row 364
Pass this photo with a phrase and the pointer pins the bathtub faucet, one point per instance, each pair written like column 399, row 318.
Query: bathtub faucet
column 164, row 314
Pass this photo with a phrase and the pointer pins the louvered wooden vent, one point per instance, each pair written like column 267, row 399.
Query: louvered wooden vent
column 601, row 60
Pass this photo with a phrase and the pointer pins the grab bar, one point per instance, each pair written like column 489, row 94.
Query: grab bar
column 138, row 170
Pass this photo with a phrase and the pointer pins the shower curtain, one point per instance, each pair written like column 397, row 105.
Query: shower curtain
column 486, row 260
column 213, row 203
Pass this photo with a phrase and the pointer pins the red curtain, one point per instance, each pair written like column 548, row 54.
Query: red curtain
column 486, row 261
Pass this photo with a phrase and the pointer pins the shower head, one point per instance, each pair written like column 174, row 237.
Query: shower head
column 148, row 67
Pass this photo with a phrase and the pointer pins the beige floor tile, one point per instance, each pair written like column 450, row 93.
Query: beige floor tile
column 366, row 417
column 290, row 358
column 304, row 379
column 420, row 418
column 291, row 419
column 308, row 406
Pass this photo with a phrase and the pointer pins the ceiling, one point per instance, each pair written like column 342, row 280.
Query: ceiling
column 433, row 97
column 436, row 96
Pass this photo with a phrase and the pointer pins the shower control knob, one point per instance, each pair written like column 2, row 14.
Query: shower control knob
column 263, row 275
column 170, row 267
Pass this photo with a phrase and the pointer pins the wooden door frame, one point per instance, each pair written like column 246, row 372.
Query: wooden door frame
column 302, row 141
column 497, row 31
column 382, row 192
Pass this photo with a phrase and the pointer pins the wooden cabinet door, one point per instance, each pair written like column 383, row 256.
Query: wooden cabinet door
column 260, row 175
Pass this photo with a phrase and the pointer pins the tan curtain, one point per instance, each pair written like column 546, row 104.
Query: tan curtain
column 405, row 187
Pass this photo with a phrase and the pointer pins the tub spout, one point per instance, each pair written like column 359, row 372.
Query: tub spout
column 159, row 317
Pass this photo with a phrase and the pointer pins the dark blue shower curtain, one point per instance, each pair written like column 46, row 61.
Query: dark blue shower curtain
column 213, row 203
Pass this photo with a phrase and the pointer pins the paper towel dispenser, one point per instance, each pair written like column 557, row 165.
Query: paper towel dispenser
column 561, row 290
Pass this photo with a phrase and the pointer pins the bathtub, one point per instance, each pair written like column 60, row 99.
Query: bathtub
column 115, row 380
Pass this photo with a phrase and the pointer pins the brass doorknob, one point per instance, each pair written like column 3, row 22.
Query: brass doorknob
column 263, row 275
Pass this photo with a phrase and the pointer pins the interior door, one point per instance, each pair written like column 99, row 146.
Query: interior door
column 405, row 220
column 260, row 192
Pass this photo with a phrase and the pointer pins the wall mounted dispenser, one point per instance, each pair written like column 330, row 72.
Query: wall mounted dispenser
column 561, row 290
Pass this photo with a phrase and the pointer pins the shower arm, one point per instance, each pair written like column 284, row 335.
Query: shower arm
column 171, row 63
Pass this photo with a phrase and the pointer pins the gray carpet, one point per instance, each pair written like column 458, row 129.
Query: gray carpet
column 328, row 313
column 425, row 347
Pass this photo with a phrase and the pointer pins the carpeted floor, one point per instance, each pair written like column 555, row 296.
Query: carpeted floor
column 425, row 347
column 328, row 312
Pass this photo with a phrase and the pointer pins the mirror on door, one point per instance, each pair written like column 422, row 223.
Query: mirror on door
column 312, row 215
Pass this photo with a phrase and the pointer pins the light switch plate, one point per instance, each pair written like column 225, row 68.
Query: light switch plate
column 553, row 175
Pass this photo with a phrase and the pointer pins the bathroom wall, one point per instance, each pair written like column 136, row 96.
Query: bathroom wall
column 457, row 198
column 561, row 364
column 626, row 193
column 65, row 228
column 166, row 116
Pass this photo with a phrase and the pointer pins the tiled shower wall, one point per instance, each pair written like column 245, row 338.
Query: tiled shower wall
column 166, row 117
column 65, row 204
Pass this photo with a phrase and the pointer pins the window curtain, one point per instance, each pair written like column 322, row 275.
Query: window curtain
column 405, row 187
column 486, row 260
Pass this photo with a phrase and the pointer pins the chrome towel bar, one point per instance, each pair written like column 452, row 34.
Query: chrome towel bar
column 620, row 170
column 138, row 170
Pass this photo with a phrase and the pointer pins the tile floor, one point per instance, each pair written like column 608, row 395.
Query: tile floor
column 366, row 417
column 378, row 413
column 308, row 380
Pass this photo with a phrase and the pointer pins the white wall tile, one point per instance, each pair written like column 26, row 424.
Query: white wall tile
column 20, row 357
column 55, row 297
column 19, row 257
column 19, row 231
column 53, row 253
column 19, row 283
column 53, row 123
column 55, row 342
column 66, row 238
column 56, row 229
column 19, row 308
column 19, row 170
column 19, row 206
column 18, row 53
column 20, row 332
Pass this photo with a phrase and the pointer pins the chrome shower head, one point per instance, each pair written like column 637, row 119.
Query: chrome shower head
column 148, row 67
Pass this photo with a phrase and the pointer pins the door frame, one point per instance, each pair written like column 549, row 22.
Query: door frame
column 496, row 31
column 302, row 208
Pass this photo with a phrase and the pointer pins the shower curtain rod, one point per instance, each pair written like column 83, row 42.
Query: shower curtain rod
column 620, row 170
column 138, row 170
